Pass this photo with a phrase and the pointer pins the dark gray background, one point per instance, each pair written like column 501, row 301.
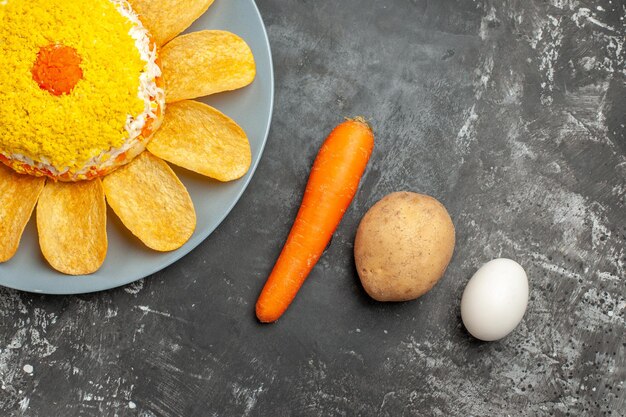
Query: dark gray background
column 510, row 112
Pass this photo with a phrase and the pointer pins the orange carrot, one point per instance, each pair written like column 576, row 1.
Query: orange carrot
column 57, row 69
column 332, row 184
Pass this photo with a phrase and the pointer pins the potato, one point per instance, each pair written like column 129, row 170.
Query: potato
column 403, row 246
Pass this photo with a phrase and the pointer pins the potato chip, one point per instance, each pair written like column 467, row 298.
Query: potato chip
column 167, row 18
column 200, row 138
column 206, row 62
column 71, row 219
column 18, row 195
column 151, row 202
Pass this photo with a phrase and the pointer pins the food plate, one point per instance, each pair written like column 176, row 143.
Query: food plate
column 128, row 259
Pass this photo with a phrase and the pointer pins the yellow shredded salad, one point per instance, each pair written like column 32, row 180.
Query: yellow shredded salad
column 66, row 131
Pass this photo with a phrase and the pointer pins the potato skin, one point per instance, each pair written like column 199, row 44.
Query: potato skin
column 403, row 246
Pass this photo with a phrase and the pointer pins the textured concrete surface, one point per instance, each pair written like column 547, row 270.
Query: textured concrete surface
column 510, row 112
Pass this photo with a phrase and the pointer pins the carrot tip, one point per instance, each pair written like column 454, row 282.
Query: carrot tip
column 360, row 119
column 264, row 315
column 266, row 320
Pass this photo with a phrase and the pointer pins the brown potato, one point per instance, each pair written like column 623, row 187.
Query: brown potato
column 403, row 246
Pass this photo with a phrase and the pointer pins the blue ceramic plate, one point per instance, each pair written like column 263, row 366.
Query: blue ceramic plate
column 127, row 259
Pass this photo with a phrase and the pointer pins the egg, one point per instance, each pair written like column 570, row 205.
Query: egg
column 495, row 299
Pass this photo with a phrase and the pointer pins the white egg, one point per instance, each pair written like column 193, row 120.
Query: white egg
column 495, row 299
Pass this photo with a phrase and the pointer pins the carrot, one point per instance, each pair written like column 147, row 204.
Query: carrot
column 57, row 69
column 332, row 184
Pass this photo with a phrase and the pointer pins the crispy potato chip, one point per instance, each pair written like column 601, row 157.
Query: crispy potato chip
column 206, row 62
column 151, row 202
column 200, row 138
column 18, row 195
column 71, row 219
column 167, row 18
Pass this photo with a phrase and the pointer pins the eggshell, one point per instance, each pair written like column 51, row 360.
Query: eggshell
column 495, row 299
